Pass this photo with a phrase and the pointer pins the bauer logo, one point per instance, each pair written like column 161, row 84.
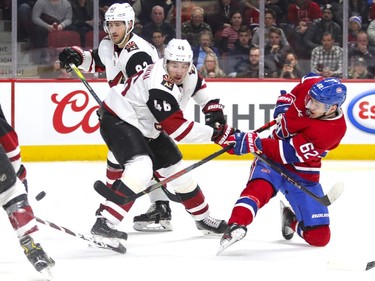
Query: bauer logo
column 361, row 111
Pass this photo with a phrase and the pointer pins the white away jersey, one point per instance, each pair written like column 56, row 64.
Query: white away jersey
column 151, row 102
column 122, row 63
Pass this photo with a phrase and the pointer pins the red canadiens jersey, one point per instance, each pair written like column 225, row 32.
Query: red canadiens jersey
column 150, row 101
column 304, row 141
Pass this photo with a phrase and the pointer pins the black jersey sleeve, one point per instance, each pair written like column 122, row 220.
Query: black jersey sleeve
column 137, row 62
column 162, row 104
column 96, row 58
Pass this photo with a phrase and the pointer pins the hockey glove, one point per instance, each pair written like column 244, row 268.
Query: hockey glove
column 71, row 55
column 283, row 103
column 213, row 112
column 245, row 143
column 221, row 133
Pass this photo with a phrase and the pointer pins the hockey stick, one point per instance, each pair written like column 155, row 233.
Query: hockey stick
column 326, row 200
column 84, row 81
column 119, row 249
column 173, row 197
column 111, row 195
column 353, row 265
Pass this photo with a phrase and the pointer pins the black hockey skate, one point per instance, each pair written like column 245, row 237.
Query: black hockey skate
column 287, row 216
column 232, row 234
column 156, row 219
column 210, row 226
column 37, row 257
column 104, row 229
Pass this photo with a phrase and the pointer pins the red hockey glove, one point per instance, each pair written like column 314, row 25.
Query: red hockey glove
column 71, row 55
column 245, row 143
column 283, row 103
column 213, row 112
column 221, row 134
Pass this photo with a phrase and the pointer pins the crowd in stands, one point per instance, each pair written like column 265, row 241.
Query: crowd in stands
column 301, row 36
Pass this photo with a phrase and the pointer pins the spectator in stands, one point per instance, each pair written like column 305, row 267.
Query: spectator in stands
column 355, row 25
column 252, row 69
column 298, row 44
column 143, row 10
column 290, row 69
column 371, row 32
column 315, row 31
column 205, row 46
column 158, row 40
column 25, row 24
column 269, row 22
column 82, row 18
column 211, row 68
column 191, row 29
column 221, row 18
column 49, row 16
column 238, row 56
column 229, row 35
column 158, row 22
column 362, row 50
column 359, row 70
column 275, row 50
column 251, row 13
column 303, row 10
column 326, row 60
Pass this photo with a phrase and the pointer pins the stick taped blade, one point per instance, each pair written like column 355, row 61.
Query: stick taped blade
column 335, row 191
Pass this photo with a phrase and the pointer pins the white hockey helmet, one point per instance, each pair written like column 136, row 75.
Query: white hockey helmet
column 120, row 12
column 178, row 50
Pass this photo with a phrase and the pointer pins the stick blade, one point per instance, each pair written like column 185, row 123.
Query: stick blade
column 351, row 265
column 335, row 192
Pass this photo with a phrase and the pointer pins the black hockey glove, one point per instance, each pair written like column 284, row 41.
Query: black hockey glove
column 71, row 55
column 221, row 134
column 213, row 112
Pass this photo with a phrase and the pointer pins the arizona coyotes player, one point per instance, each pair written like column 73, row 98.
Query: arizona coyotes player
column 146, row 117
column 121, row 54
column 312, row 124
column 13, row 198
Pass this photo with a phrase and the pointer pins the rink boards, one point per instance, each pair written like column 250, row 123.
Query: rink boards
column 56, row 119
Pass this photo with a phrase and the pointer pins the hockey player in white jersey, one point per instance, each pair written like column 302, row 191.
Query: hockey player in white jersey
column 142, row 121
column 121, row 54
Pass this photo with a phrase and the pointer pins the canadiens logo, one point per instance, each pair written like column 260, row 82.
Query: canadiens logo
column 131, row 46
column 167, row 82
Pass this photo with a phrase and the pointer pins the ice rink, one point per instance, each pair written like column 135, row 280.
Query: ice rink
column 185, row 253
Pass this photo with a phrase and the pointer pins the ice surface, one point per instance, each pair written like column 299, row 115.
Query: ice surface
column 185, row 253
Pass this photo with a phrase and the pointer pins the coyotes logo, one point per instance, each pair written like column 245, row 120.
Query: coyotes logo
column 167, row 82
column 131, row 46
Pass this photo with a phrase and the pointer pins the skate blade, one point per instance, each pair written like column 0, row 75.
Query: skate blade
column 162, row 226
column 114, row 242
column 237, row 235
column 210, row 233
column 47, row 273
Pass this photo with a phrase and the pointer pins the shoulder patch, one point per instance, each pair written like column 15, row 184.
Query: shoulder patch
column 131, row 46
column 167, row 82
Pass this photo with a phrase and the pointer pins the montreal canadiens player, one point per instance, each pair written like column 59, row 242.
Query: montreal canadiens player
column 121, row 54
column 142, row 121
column 312, row 124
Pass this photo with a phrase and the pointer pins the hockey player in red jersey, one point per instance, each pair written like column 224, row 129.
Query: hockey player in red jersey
column 142, row 121
column 312, row 124
column 13, row 198
column 121, row 54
